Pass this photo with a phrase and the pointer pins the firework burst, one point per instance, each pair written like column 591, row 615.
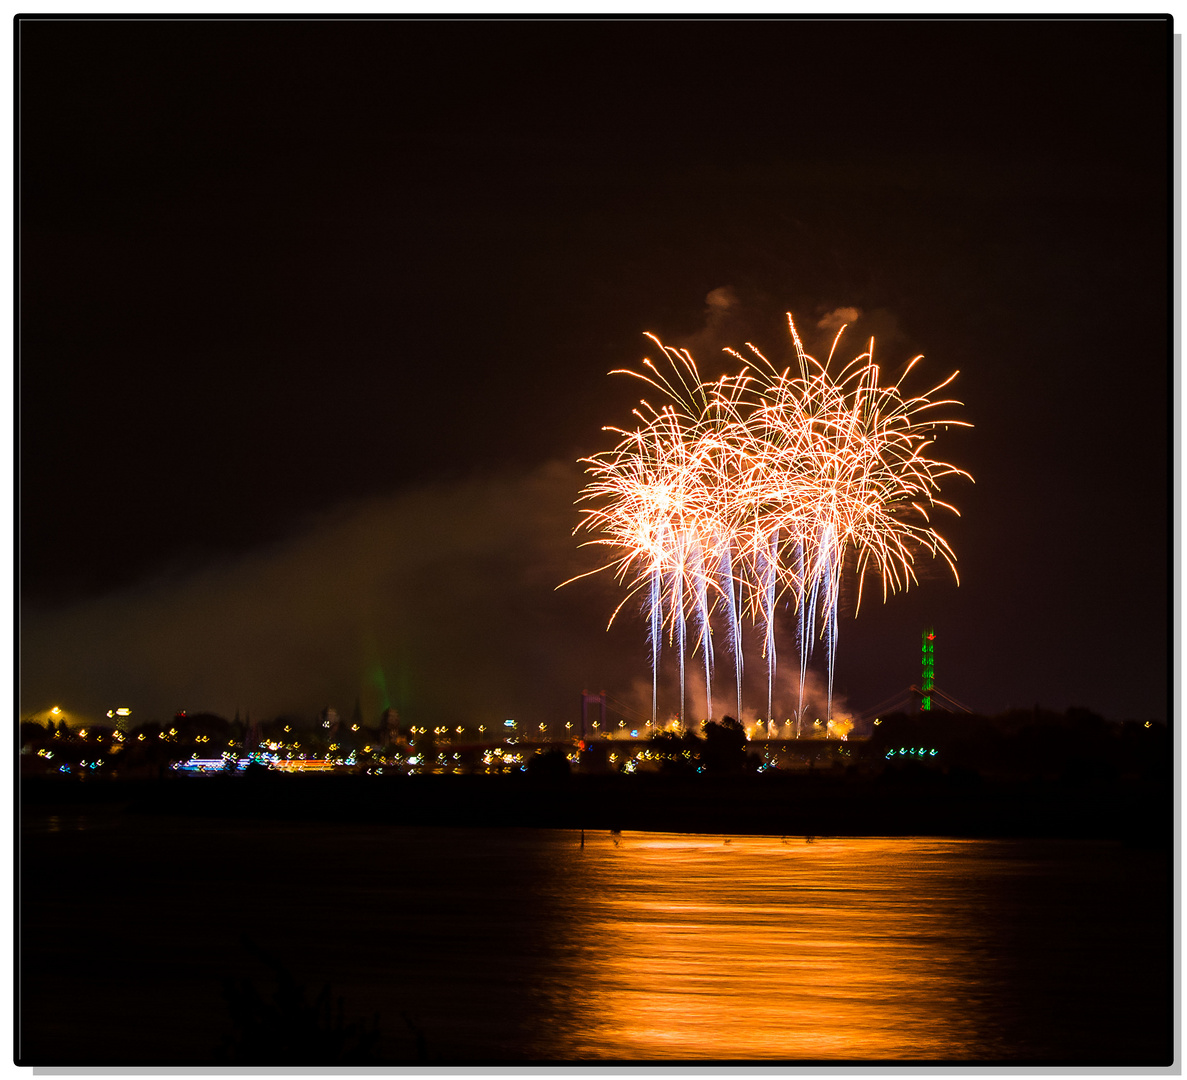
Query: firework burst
column 758, row 489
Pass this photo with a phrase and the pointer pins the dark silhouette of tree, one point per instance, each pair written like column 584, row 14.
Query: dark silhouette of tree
column 191, row 725
column 389, row 727
column 549, row 765
column 33, row 734
column 724, row 748
column 148, row 747
column 677, row 753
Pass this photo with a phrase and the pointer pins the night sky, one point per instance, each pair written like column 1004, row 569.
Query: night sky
column 316, row 317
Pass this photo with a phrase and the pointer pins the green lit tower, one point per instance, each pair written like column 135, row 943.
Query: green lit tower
column 929, row 668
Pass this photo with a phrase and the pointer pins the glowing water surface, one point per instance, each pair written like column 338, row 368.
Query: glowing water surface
column 753, row 947
column 521, row 945
column 857, row 949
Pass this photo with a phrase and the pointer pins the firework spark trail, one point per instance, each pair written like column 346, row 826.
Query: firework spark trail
column 705, row 501
column 733, row 616
column 643, row 496
column 841, row 462
column 678, row 615
column 804, row 630
column 655, row 620
column 706, row 641
column 770, row 563
column 661, row 484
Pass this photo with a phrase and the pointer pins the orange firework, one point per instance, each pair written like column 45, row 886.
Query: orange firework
column 661, row 508
column 758, row 487
column 840, row 466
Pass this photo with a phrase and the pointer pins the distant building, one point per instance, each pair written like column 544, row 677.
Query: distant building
column 593, row 729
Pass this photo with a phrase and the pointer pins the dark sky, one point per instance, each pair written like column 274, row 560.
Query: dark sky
column 316, row 317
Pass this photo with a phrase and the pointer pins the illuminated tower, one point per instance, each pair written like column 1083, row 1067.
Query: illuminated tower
column 929, row 668
column 588, row 699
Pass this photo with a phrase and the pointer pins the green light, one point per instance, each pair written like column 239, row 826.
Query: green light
column 927, row 656
column 378, row 679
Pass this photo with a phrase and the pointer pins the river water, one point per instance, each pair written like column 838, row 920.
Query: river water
column 471, row 945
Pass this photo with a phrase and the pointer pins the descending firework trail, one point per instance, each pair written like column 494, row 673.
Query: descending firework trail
column 804, row 637
column 678, row 606
column 830, row 580
column 762, row 485
column 655, row 617
column 662, row 512
column 706, row 642
column 841, row 465
column 733, row 617
column 658, row 500
column 770, row 572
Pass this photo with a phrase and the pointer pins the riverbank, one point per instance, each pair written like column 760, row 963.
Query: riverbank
column 771, row 804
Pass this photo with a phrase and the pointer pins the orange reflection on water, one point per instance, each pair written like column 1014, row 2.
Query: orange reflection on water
column 752, row 947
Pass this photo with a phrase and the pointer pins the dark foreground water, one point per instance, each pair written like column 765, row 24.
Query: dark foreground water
column 142, row 937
